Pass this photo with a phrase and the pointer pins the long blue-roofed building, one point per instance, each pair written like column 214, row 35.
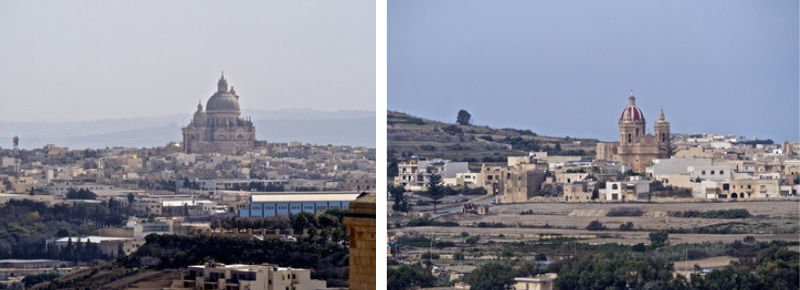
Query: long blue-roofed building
column 286, row 203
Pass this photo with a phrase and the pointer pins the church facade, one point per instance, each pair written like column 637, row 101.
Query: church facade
column 220, row 128
column 636, row 147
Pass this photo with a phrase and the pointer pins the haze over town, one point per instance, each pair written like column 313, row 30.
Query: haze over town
column 104, row 61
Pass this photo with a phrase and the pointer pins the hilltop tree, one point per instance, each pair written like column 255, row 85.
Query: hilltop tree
column 464, row 118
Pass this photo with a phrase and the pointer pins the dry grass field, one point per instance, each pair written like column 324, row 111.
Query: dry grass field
column 771, row 220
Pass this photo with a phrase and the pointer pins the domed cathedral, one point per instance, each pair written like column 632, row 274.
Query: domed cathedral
column 636, row 147
column 220, row 128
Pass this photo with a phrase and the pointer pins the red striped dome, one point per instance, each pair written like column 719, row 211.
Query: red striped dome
column 631, row 111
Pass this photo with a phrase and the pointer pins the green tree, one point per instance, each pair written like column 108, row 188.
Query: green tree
column 557, row 147
column 728, row 278
column 435, row 189
column 407, row 277
column 31, row 280
column 490, row 276
column 80, row 194
column 595, row 225
column 659, row 239
column 327, row 220
column 616, row 271
column 779, row 268
column 62, row 232
column 398, row 194
column 626, row 226
column 529, row 268
column 304, row 220
column 464, row 118
column 392, row 169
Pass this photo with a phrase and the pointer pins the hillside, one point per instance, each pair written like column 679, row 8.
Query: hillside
column 409, row 135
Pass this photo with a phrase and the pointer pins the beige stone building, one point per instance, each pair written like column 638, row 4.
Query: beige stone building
column 540, row 282
column 360, row 221
column 744, row 189
column 252, row 277
column 579, row 192
column 636, row 147
column 220, row 128
column 521, row 183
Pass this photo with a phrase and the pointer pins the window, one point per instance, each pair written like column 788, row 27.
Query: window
column 703, row 172
column 722, row 172
column 614, row 186
column 712, row 172
column 629, row 137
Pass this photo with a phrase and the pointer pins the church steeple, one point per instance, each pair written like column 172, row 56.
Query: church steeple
column 661, row 115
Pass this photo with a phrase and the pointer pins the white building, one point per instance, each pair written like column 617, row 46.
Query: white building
column 252, row 277
column 633, row 189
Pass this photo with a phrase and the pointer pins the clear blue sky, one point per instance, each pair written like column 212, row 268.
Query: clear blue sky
column 86, row 60
column 566, row 68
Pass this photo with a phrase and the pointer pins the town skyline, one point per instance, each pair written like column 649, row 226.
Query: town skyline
column 567, row 70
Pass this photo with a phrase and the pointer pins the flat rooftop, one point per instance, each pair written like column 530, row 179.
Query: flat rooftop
column 304, row 196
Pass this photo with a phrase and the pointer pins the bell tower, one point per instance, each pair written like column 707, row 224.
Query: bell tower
column 662, row 135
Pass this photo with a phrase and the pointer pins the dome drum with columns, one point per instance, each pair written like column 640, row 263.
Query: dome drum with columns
column 220, row 128
column 636, row 147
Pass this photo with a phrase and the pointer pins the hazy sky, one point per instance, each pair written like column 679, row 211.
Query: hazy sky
column 566, row 68
column 84, row 60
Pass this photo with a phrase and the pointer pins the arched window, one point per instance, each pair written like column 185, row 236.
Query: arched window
column 629, row 137
column 663, row 137
column 614, row 186
column 637, row 131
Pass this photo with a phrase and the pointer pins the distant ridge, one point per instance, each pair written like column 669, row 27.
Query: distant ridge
column 346, row 127
column 408, row 134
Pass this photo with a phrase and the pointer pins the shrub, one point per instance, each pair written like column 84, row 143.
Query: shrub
column 738, row 213
column 595, row 225
column 491, row 225
column 626, row 226
column 430, row 256
column 625, row 211
column 427, row 147
column 426, row 222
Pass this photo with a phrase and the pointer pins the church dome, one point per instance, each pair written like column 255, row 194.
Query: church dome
column 632, row 112
column 199, row 115
column 223, row 100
